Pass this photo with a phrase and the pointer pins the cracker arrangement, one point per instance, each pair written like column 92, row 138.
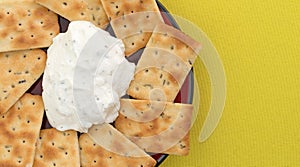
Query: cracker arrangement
column 149, row 123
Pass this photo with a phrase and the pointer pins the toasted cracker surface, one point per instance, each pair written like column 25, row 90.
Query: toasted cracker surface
column 88, row 10
column 105, row 146
column 133, row 21
column 19, row 70
column 26, row 25
column 56, row 148
column 164, row 64
column 168, row 133
column 19, row 132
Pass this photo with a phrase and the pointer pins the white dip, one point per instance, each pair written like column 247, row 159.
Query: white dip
column 85, row 76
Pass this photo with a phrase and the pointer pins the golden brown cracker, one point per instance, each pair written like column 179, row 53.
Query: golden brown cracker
column 19, row 132
column 19, row 71
column 168, row 56
column 74, row 10
column 56, row 148
column 168, row 133
column 117, row 151
column 133, row 21
column 26, row 25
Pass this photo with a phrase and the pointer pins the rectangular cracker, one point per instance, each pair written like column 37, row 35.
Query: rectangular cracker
column 26, row 25
column 110, row 148
column 167, row 130
column 56, row 148
column 88, row 10
column 19, row 132
column 132, row 21
column 164, row 64
column 19, row 71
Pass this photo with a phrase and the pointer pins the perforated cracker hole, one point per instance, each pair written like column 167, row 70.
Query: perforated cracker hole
column 7, row 13
column 65, row 3
column 54, row 164
column 39, row 58
column 117, row 6
column 51, row 34
column 66, row 153
column 41, row 156
column 28, row 121
column 23, row 141
column 12, row 86
column 31, row 35
column 95, row 161
column 33, row 103
column 132, row 43
column 20, row 24
column 9, row 71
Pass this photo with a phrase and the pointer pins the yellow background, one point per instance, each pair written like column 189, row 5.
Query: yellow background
column 259, row 45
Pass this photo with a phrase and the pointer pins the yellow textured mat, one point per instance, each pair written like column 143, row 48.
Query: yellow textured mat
column 259, row 45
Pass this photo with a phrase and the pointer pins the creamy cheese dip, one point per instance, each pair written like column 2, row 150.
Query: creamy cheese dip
column 86, row 74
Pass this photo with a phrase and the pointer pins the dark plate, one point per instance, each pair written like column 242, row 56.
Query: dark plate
column 185, row 95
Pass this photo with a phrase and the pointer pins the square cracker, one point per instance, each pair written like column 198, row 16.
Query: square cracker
column 19, row 71
column 133, row 21
column 19, row 132
column 56, row 148
column 113, row 149
column 88, row 10
column 164, row 64
column 167, row 130
column 26, row 25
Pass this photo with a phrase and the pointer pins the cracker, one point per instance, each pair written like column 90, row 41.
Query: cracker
column 26, row 25
column 56, row 148
column 73, row 10
column 19, row 70
column 168, row 133
column 19, row 132
column 132, row 21
column 164, row 64
column 17, row 1
column 117, row 151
